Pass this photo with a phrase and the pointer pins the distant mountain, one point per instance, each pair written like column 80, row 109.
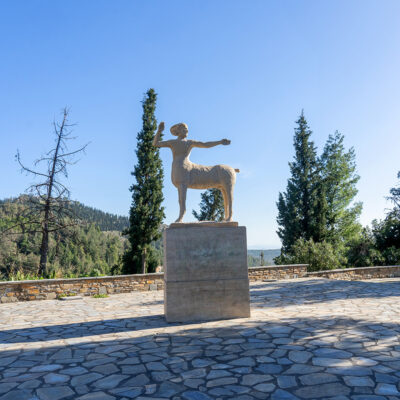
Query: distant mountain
column 254, row 257
column 104, row 220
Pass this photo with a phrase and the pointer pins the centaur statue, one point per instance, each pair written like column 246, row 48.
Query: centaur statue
column 186, row 174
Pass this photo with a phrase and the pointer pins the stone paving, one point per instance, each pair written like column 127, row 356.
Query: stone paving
column 306, row 339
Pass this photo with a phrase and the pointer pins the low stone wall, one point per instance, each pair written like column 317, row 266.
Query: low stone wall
column 350, row 274
column 277, row 272
column 47, row 289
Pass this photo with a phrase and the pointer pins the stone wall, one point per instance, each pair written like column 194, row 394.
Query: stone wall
column 358, row 273
column 277, row 272
column 47, row 289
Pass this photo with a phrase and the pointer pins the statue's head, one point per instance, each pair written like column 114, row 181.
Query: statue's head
column 181, row 130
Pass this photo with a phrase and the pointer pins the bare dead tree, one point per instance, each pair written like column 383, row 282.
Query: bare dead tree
column 48, row 209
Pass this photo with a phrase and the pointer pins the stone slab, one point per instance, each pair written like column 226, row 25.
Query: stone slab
column 206, row 300
column 205, row 253
column 205, row 273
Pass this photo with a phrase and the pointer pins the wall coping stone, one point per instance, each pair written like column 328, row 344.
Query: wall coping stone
column 345, row 270
column 155, row 275
column 278, row 267
column 86, row 278
column 160, row 275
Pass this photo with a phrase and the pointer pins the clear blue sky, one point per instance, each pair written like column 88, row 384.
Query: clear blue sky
column 236, row 69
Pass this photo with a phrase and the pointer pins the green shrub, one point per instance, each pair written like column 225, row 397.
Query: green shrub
column 61, row 295
column 319, row 256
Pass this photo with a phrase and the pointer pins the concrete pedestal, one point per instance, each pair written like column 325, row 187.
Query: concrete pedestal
column 205, row 272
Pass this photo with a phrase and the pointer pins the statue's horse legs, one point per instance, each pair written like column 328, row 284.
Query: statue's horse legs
column 228, row 217
column 226, row 202
column 227, row 193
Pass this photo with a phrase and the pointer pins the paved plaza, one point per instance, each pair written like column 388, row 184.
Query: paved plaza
column 306, row 339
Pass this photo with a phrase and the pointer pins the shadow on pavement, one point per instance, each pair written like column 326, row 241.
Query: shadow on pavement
column 295, row 358
column 288, row 292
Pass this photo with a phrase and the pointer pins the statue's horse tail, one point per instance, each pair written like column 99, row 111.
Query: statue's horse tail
column 237, row 170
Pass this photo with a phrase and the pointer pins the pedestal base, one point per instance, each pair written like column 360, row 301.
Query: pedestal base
column 205, row 272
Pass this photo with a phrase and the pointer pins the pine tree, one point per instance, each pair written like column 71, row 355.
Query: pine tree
column 297, row 207
column 146, row 213
column 211, row 206
column 320, row 212
column 339, row 179
column 395, row 198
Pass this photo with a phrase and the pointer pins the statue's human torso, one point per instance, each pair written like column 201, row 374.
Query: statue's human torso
column 181, row 165
column 184, row 172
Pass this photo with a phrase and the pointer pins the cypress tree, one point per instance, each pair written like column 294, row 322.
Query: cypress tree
column 211, row 206
column 297, row 207
column 146, row 213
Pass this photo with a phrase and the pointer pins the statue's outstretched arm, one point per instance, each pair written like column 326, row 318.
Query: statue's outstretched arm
column 207, row 145
column 156, row 141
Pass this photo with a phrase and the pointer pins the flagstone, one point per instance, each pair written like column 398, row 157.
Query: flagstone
column 54, row 393
column 6, row 387
column 192, row 395
column 218, row 373
column 194, row 383
column 300, row 356
column 110, row 381
column 85, row 379
column 46, row 368
column 53, row 378
column 322, row 391
column 358, row 381
column 317, row 378
column 386, row 389
column 96, row 396
column 221, row 382
column 19, row 395
column 265, row 387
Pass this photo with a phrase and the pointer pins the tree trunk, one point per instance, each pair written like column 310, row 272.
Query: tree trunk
column 144, row 267
column 44, row 247
column 57, row 250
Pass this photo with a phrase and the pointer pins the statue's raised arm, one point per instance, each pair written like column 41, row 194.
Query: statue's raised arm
column 207, row 145
column 157, row 142
column 186, row 174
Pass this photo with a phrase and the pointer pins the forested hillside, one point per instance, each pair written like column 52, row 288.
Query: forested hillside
column 103, row 220
column 81, row 250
